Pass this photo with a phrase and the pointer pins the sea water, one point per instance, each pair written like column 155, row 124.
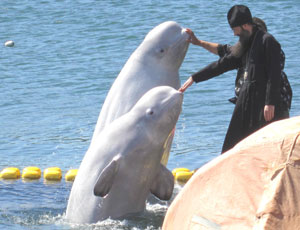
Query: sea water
column 67, row 54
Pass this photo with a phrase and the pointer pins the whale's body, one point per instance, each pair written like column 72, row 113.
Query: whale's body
column 122, row 166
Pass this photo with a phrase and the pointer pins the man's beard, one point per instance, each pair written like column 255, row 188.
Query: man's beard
column 242, row 45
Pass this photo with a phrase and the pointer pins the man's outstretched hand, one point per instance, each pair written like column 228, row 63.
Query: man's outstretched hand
column 187, row 84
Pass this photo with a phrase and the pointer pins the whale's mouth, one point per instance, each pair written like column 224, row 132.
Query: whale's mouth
column 174, row 105
column 182, row 39
column 179, row 49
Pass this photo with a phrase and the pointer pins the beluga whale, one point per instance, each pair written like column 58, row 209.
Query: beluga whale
column 155, row 62
column 123, row 165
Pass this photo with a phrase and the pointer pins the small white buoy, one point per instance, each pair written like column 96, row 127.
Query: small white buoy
column 9, row 43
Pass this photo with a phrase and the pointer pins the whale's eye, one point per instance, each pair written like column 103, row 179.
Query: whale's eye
column 160, row 50
column 149, row 112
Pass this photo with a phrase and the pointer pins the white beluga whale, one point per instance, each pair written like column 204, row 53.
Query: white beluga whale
column 122, row 166
column 155, row 62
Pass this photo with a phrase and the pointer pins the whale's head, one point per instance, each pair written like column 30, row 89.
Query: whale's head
column 166, row 44
column 159, row 110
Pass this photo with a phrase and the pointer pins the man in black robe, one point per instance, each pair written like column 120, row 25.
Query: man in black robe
column 258, row 53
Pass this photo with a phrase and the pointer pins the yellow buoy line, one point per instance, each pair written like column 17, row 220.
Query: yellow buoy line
column 55, row 174
column 35, row 173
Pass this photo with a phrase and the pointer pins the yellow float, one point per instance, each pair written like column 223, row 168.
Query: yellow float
column 52, row 174
column 71, row 174
column 10, row 173
column 182, row 174
column 176, row 170
column 31, row 173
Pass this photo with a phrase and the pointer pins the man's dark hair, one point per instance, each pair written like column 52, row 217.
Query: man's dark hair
column 260, row 24
column 239, row 15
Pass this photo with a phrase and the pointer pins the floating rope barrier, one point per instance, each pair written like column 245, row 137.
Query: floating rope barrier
column 35, row 173
column 55, row 174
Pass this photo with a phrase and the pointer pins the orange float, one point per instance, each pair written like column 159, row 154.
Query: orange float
column 255, row 185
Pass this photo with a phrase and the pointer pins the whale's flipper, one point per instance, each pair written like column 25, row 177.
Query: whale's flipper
column 163, row 185
column 106, row 178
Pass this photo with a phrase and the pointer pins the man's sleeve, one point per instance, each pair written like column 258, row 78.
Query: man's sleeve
column 223, row 50
column 224, row 64
column 273, row 70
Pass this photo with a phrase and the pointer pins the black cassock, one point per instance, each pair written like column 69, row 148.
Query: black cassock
column 261, row 86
